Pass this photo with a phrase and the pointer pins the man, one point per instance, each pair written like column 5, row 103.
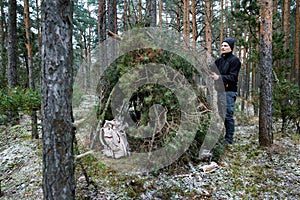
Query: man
column 228, row 66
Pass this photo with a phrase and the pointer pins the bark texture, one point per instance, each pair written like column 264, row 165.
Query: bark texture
column 56, row 84
column 12, row 74
column 265, row 112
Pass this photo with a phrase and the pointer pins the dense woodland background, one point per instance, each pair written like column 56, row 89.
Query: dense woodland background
column 266, row 33
column 206, row 23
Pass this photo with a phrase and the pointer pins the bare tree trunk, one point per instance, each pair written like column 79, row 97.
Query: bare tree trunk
column 297, row 44
column 12, row 74
column 57, row 92
column 125, row 15
column 160, row 13
column 111, row 16
column 186, row 22
column 102, row 32
column 232, row 21
column 255, row 73
column 140, row 10
column 226, row 26
column 286, row 22
column 88, row 54
column 101, row 20
column 208, row 34
column 115, row 17
column 34, row 128
column 221, row 23
column 38, row 25
column 111, row 26
column 265, row 111
column 3, row 31
column 276, row 23
column 194, row 29
column 153, row 13
column 245, row 86
column 286, row 30
column 178, row 19
column 12, row 69
column 85, row 55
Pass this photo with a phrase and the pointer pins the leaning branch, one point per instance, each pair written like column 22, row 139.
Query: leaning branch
column 113, row 35
column 84, row 154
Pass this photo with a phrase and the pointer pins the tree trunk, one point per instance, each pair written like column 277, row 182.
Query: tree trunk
column 115, row 17
column 233, row 23
column 255, row 71
column 276, row 23
column 34, row 128
column 111, row 27
column 186, row 22
column 111, row 16
column 12, row 69
column 208, row 34
column 38, row 25
column 125, row 16
column 178, row 17
column 140, row 10
column 265, row 112
column 57, row 91
column 102, row 32
column 297, row 44
column 226, row 26
column 101, row 20
column 286, row 31
column 243, row 54
column 160, row 13
column 3, row 45
column 153, row 13
column 194, row 23
column 221, row 23
column 88, row 54
column 286, row 22
column 12, row 74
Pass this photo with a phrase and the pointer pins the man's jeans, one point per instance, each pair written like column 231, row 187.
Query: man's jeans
column 226, row 102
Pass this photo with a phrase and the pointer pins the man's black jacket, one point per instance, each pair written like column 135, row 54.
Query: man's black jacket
column 229, row 66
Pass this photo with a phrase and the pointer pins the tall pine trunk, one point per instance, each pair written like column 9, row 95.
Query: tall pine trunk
column 111, row 26
column 194, row 23
column 34, row 129
column 38, row 25
column 153, row 13
column 3, row 31
column 102, row 32
column 221, row 23
column 57, row 91
column 12, row 70
column 265, row 111
column 12, row 74
column 297, row 44
column 186, row 22
column 208, row 33
column 160, row 13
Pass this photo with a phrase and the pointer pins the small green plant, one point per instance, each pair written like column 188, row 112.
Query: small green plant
column 77, row 94
column 18, row 99
column 286, row 104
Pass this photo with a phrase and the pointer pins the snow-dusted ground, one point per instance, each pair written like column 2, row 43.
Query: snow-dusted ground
column 21, row 163
column 245, row 171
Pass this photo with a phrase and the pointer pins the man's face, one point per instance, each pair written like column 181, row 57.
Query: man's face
column 225, row 48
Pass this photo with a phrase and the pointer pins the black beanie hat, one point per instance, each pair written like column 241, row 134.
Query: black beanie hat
column 230, row 41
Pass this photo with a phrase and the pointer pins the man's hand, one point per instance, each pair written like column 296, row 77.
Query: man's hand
column 214, row 76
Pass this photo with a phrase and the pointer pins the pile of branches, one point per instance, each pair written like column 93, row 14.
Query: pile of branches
column 152, row 101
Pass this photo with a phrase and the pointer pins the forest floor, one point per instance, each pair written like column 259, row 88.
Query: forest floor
column 244, row 171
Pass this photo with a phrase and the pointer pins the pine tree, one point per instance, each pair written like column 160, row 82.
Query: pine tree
column 265, row 112
column 56, row 85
